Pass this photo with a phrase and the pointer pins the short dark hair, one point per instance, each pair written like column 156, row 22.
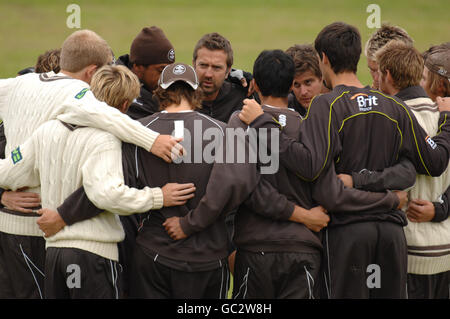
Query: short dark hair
column 274, row 72
column 215, row 41
column 341, row 43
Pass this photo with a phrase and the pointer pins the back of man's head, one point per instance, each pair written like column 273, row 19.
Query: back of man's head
column 404, row 62
column 341, row 43
column 176, row 83
column 274, row 72
column 48, row 61
column 433, row 48
column 83, row 48
column 437, row 62
column 115, row 85
column 383, row 36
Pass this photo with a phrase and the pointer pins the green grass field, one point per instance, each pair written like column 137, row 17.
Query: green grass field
column 29, row 28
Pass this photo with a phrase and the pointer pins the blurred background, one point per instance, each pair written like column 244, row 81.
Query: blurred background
column 29, row 28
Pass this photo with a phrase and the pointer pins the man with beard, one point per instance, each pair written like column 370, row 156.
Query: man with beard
column 212, row 60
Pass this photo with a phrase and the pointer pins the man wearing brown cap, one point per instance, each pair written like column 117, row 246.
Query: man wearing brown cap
column 436, row 73
column 196, row 265
column 150, row 53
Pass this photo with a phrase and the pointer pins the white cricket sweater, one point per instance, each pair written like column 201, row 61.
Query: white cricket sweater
column 30, row 100
column 61, row 160
column 429, row 242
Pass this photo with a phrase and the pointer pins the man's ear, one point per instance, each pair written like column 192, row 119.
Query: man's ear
column 389, row 78
column 325, row 59
column 441, row 87
column 228, row 72
column 255, row 86
column 89, row 72
column 124, row 107
column 138, row 70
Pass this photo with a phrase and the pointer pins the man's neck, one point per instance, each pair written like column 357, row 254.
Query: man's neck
column 345, row 78
column 73, row 75
column 389, row 89
column 394, row 91
column 183, row 106
column 211, row 97
column 281, row 102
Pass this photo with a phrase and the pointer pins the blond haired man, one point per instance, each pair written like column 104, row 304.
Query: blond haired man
column 378, row 40
column 28, row 101
column 83, row 156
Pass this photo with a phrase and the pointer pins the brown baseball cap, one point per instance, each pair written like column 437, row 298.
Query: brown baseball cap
column 438, row 61
column 151, row 46
column 178, row 72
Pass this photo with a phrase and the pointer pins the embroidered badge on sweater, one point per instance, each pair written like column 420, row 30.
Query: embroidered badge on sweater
column 81, row 94
column 16, row 156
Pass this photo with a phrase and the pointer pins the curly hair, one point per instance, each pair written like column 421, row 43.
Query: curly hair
column 383, row 36
column 48, row 61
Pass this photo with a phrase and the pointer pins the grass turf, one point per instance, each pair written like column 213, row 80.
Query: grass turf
column 29, row 28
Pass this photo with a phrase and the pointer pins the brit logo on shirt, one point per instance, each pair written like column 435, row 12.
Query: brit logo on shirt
column 430, row 142
column 16, row 156
column 365, row 102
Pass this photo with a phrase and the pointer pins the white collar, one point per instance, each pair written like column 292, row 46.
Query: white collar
column 183, row 111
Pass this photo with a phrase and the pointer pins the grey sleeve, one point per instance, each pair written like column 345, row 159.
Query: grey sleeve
column 442, row 209
column 265, row 200
column 398, row 177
